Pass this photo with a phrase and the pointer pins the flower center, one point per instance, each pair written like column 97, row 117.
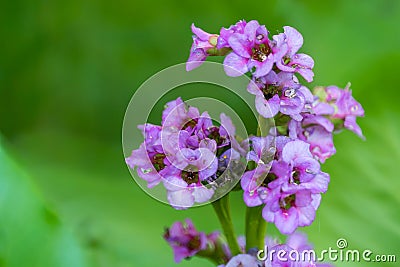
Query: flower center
column 158, row 161
column 261, row 52
column 194, row 243
column 270, row 90
column 288, row 202
column 214, row 134
column 190, row 177
column 270, row 177
column 190, row 124
column 296, row 176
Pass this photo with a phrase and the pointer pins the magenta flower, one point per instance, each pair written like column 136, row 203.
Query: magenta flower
column 291, row 61
column 252, row 49
column 149, row 158
column 279, row 93
column 243, row 260
column 185, row 240
column 177, row 115
column 303, row 170
column 187, row 153
column 258, row 183
column 202, row 42
column 343, row 106
column 294, row 247
column 347, row 108
column 316, row 131
column 298, row 197
column 289, row 211
column 225, row 34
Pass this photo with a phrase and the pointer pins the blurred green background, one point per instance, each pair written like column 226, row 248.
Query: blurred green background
column 67, row 72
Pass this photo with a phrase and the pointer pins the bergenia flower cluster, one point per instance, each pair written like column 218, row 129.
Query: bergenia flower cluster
column 187, row 242
column 188, row 153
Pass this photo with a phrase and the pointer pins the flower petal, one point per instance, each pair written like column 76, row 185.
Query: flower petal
column 235, row 65
column 294, row 39
column 240, row 45
column 287, row 220
column 267, row 109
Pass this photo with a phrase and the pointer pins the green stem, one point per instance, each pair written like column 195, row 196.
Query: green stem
column 215, row 252
column 255, row 228
column 255, row 223
column 222, row 209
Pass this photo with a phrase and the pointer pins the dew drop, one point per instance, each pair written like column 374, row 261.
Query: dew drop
column 146, row 171
column 290, row 93
column 263, row 194
column 309, row 171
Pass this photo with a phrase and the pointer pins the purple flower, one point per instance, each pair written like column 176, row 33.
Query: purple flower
column 225, row 34
column 258, row 183
column 316, row 131
column 348, row 109
column 188, row 153
column 298, row 253
column 299, row 242
column 279, row 93
column 243, row 260
column 289, row 211
column 149, row 158
column 291, row 61
column 185, row 240
column 299, row 195
column 251, row 49
column 177, row 115
column 140, row 158
column 343, row 106
column 303, row 170
column 183, row 178
column 202, row 42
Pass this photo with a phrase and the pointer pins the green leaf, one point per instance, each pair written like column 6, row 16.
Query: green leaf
column 30, row 233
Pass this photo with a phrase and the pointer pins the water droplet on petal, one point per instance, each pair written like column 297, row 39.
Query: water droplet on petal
column 309, row 171
column 263, row 194
column 146, row 171
column 290, row 93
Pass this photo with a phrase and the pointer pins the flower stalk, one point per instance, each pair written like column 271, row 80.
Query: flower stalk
column 255, row 228
column 222, row 209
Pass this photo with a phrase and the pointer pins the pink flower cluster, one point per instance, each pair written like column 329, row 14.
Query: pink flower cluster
column 188, row 153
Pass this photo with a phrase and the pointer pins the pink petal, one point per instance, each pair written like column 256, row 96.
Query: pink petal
column 294, row 39
column 240, row 45
column 235, row 65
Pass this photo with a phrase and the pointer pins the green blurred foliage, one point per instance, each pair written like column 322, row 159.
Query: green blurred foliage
column 30, row 233
column 68, row 70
